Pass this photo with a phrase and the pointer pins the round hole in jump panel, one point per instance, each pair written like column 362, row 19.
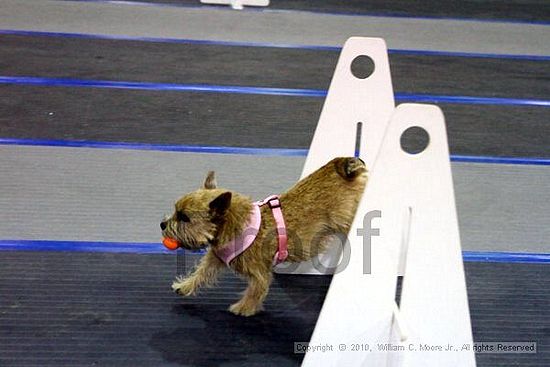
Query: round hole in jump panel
column 362, row 67
column 415, row 140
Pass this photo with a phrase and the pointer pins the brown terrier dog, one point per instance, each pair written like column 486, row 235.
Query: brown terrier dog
column 319, row 206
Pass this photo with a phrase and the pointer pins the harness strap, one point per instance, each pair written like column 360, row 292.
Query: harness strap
column 275, row 205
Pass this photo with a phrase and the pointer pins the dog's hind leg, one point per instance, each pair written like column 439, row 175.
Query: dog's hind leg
column 204, row 275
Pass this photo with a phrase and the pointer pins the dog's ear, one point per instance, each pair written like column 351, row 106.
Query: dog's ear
column 210, row 181
column 220, row 204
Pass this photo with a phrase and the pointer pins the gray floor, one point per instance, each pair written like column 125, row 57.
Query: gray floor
column 117, row 311
column 273, row 27
column 504, row 10
column 501, row 208
column 175, row 117
column 121, row 195
column 161, row 117
column 188, row 63
column 72, row 308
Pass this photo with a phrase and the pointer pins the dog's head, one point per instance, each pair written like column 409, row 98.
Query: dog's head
column 197, row 216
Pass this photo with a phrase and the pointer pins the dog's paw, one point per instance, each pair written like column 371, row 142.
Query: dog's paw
column 349, row 167
column 353, row 167
column 184, row 287
column 245, row 309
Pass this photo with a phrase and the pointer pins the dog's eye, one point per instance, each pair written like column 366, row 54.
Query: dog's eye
column 182, row 217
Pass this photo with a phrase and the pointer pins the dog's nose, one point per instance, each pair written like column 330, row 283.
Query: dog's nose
column 163, row 225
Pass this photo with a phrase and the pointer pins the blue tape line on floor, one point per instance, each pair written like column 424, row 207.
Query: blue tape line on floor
column 278, row 152
column 510, row 257
column 501, row 160
column 158, row 248
column 206, row 88
column 85, row 246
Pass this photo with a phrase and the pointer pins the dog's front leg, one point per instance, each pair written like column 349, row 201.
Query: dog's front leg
column 205, row 274
column 254, row 295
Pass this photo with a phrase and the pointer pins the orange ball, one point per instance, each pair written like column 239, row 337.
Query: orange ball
column 170, row 243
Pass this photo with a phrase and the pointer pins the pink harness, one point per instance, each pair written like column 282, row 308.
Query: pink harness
column 238, row 245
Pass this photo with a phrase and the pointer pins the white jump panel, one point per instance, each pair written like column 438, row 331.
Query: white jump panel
column 363, row 95
column 353, row 99
column 418, row 237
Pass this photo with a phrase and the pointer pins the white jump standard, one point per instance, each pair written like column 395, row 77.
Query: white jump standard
column 406, row 224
